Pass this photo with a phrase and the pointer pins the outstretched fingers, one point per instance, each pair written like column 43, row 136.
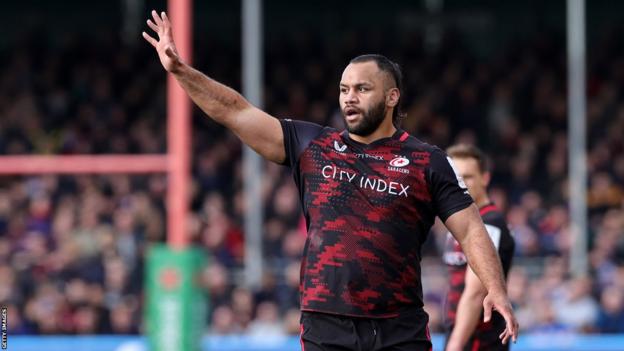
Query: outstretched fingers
column 166, row 23
column 165, row 19
column 152, row 25
column 157, row 18
column 149, row 39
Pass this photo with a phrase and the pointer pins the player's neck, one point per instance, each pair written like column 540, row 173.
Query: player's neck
column 484, row 201
column 386, row 130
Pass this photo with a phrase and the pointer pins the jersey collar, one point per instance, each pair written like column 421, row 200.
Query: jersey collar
column 399, row 135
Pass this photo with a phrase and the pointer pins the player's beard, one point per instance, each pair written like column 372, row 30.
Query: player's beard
column 370, row 121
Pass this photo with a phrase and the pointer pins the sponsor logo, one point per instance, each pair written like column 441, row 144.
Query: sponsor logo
column 400, row 170
column 365, row 182
column 338, row 147
column 170, row 278
column 374, row 157
column 399, row 162
column 170, row 334
column 5, row 327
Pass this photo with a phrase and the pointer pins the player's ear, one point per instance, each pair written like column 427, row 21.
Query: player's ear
column 392, row 97
column 486, row 177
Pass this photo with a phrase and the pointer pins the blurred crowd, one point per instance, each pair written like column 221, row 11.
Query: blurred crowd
column 72, row 248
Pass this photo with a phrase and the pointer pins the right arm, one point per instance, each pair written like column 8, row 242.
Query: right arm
column 459, row 214
column 256, row 128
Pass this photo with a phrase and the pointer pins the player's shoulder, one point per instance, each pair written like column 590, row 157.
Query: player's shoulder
column 301, row 124
column 332, row 134
column 429, row 155
column 415, row 144
column 310, row 129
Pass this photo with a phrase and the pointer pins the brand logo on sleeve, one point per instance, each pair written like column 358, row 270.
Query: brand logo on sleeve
column 338, row 147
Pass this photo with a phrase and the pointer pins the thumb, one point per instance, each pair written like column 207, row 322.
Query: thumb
column 487, row 310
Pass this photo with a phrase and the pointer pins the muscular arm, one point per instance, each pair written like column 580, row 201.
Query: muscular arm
column 467, row 227
column 468, row 311
column 254, row 127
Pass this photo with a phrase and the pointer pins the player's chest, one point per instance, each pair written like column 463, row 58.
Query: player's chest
column 377, row 172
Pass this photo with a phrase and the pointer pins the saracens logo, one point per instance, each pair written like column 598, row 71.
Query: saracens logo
column 399, row 162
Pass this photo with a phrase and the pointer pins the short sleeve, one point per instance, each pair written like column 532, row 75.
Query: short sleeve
column 297, row 137
column 449, row 193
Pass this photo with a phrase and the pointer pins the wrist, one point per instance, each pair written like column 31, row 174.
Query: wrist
column 453, row 345
column 177, row 67
column 497, row 289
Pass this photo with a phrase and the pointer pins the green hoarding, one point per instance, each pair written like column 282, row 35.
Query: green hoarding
column 176, row 304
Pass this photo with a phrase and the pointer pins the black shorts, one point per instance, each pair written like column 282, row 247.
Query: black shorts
column 327, row 332
column 485, row 337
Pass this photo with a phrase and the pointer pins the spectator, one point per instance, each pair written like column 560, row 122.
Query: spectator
column 266, row 323
column 611, row 315
column 577, row 309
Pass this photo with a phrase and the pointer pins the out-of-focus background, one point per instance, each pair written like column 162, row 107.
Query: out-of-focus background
column 77, row 78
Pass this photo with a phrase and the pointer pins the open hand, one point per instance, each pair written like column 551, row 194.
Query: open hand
column 500, row 302
column 164, row 45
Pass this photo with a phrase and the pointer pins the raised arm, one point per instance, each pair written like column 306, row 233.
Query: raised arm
column 467, row 227
column 256, row 128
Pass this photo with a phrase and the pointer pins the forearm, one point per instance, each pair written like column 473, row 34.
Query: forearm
column 467, row 227
column 256, row 128
column 468, row 315
column 483, row 259
column 218, row 101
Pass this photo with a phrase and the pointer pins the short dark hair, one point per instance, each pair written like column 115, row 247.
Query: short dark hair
column 470, row 151
column 394, row 70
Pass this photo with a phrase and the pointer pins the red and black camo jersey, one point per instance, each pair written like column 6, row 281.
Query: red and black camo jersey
column 368, row 209
column 455, row 260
